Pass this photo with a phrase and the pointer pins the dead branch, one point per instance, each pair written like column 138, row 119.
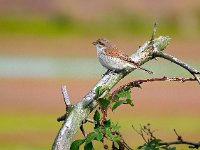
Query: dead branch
column 175, row 60
column 65, row 96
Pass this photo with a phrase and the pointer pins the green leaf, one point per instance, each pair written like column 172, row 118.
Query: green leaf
column 130, row 102
column 116, row 144
column 104, row 103
column 123, row 94
column 117, row 104
column 107, row 123
column 98, row 91
column 96, row 119
column 88, row 146
column 117, row 138
column 115, row 127
column 96, row 116
column 99, row 136
column 109, row 135
column 76, row 144
column 90, row 137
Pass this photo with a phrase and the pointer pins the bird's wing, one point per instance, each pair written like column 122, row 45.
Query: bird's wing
column 114, row 52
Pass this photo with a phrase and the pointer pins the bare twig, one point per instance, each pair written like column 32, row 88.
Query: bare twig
column 67, row 103
column 175, row 60
column 140, row 133
column 65, row 96
column 83, row 131
column 124, row 143
column 154, row 31
column 61, row 118
column 179, row 138
column 90, row 120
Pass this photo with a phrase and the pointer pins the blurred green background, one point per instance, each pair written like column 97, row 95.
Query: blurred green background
column 46, row 43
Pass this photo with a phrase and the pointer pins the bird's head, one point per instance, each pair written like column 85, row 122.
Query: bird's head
column 102, row 43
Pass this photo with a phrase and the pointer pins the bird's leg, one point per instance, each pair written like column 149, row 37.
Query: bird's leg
column 106, row 72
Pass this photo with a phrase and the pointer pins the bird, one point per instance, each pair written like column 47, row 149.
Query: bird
column 113, row 58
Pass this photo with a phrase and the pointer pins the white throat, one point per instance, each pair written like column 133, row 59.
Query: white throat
column 100, row 50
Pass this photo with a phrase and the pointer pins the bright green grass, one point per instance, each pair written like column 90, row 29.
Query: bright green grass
column 43, row 124
column 124, row 24
column 27, row 123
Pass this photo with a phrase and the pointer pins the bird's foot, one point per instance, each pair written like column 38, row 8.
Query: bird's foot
column 108, row 71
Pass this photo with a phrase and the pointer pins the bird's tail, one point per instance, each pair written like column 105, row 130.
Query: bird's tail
column 148, row 71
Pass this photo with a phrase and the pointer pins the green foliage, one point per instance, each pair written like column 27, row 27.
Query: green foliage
column 117, row 104
column 89, row 146
column 76, row 144
column 96, row 119
column 105, row 129
column 104, row 103
column 88, row 141
column 99, row 91
column 122, row 97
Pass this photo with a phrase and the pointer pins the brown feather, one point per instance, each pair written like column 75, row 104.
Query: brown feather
column 114, row 52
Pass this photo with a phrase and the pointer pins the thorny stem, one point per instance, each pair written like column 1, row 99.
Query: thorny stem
column 138, row 82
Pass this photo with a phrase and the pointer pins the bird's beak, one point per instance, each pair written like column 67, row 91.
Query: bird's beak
column 94, row 43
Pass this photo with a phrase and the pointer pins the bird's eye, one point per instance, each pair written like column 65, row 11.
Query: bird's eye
column 101, row 43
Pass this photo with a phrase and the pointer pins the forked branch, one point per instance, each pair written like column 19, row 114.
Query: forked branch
column 175, row 60
column 78, row 113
